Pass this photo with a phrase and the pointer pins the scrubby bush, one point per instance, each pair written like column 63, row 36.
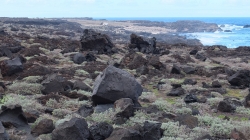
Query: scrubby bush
column 25, row 88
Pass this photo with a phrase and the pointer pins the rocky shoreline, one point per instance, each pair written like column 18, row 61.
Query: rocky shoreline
column 97, row 80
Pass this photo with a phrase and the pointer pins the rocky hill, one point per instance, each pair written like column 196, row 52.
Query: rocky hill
column 60, row 81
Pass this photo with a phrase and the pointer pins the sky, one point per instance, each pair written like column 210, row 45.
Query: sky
column 124, row 8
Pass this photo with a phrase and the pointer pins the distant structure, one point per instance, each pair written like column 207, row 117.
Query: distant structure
column 104, row 23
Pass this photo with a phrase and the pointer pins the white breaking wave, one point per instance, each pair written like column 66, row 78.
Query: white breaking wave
column 231, row 27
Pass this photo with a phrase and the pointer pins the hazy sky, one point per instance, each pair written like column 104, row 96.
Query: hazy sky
column 125, row 8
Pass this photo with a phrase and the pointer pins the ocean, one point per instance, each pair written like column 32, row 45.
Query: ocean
column 238, row 37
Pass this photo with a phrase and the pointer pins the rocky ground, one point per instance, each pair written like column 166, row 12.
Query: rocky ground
column 65, row 81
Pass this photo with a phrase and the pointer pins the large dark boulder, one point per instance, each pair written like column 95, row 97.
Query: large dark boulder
column 190, row 98
column 229, row 105
column 156, row 63
column 114, row 84
column 10, row 67
column 201, row 57
column 56, row 84
column 100, row 131
column 144, row 45
column 45, row 126
column 176, row 92
column 3, row 134
column 74, row 129
column 152, row 131
column 193, row 52
column 241, row 78
column 126, row 107
column 4, row 51
column 79, row 58
column 93, row 41
column 176, row 69
column 189, row 69
column 13, row 116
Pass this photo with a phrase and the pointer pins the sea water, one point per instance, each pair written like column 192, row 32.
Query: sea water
column 238, row 37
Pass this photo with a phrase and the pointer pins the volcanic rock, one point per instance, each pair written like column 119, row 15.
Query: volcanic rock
column 126, row 107
column 133, row 61
column 79, row 85
column 93, row 41
column 200, row 57
column 79, row 58
column 14, row 117
column 216, row 84
column 114, row 84
column 189, row 70
column 10, row 67
column 45, row 126
column 85, row 110
column 176, row 92
column 189, row 82
column 3, row 134
column 193, row 52
column 241, row 78
column 176, row 69
column 100, row 131
column 74, row 129
column 190, row 98
column 142, row 44
column 152, row 131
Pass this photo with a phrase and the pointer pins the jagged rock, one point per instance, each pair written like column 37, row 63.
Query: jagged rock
column 193, row 52
column 74, row 129
column 228, row 105
column 31, row 116
column 176, row 69
column 188, row 120
column 79, row 85
column 189, row 82
column 155, row 62
column 216, row 84
column 114, row 84
column 10, row 67
column 174, row 86
column 133, row 61
column 45, row 126
column 100, row 131
column 176, row 92
column 152, row 131
column 14, row 117
column 189, row 70
column 125, row 134
column 5, row 52
column 93, row 41
column 142, row 44
column 56, row 84
column 190, row 98
column 85, row 110
column 90, row 57
column 241, row 78
column 3, row 134
column 200, row 57
column 79, row 58
column 127, row 107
